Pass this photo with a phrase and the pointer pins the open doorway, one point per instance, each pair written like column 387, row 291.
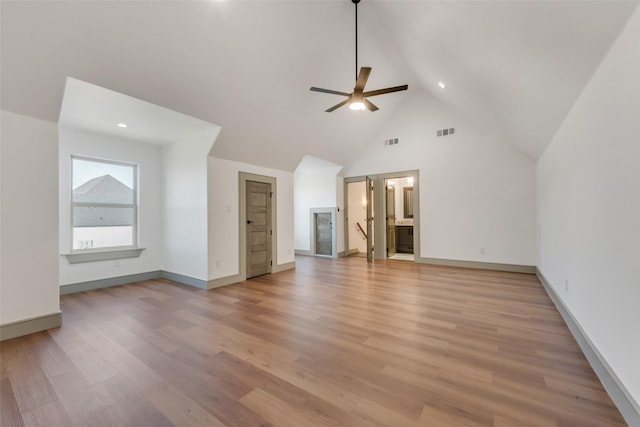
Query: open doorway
column 393, row 197
column 359, row 220
column 399, row 218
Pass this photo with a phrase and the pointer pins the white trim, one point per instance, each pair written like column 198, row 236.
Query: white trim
column 103, row 255
column 134, row 205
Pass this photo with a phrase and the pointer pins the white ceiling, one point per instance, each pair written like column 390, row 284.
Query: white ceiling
column 514, row 67
column 96, row 109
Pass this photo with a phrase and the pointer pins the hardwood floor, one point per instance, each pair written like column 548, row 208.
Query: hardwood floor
column 332, row 343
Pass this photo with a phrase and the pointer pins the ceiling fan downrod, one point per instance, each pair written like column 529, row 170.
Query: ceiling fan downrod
column 356, row 3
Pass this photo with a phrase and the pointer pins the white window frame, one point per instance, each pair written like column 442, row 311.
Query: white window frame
column 124, row 249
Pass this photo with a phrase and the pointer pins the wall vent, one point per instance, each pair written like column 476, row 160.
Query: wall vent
column 392, row 141
column 445, row 132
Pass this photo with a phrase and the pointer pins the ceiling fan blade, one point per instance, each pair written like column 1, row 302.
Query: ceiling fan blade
column 363, row 76
column 370, row 105
column 387, row 90
column 335, row 107
column 333, row 92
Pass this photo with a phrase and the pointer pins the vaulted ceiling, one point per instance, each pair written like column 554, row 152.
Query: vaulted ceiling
column 514, row 67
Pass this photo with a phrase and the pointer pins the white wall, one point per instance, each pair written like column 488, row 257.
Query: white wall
column 148, row 159
column 186, row 205
column 224, row 232
column 589, row 209
column 29, row 218
column 476, row 192
column 315, row 186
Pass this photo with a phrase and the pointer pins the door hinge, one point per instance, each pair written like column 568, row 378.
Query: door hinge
column 270, row 232
column 271, row 194
column 271, row 263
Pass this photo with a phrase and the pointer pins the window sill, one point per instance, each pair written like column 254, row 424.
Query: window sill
column 105, row 255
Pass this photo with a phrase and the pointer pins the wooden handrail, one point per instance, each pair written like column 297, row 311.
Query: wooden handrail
column 364, row 234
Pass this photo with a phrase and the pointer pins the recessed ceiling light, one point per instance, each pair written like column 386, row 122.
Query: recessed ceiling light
column 442, row 85
column 122, row 125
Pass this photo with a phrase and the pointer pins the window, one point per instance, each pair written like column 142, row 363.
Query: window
column 104, row 207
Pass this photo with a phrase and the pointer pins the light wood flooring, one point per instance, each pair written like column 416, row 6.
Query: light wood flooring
column 332, row 343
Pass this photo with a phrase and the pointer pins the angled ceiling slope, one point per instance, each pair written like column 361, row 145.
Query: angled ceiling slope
column 95, row 109
column 515, row 67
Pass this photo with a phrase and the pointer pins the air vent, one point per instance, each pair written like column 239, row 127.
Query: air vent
column 392, row 141
column 445, row 132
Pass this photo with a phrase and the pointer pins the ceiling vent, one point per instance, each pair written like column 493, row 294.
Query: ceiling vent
column 392, row 141
column 445, row 132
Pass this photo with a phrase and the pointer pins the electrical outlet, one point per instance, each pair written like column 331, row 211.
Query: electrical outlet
column 217, row 263
column 482, row 251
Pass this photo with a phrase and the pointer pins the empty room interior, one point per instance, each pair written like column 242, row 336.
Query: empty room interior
column 320, row 213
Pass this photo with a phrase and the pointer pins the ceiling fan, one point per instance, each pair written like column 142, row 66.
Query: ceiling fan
column 357, row 99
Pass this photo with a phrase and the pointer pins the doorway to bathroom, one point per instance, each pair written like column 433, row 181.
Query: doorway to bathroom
column 391, row 198
column 399, row 218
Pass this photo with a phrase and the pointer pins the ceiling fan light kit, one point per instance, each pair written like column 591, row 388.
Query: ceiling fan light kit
column 357, row 99
column 357, row 102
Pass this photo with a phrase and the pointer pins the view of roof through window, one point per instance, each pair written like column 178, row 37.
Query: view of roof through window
column 104, row 206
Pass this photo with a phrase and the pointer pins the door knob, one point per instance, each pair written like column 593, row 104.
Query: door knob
column 249, row 221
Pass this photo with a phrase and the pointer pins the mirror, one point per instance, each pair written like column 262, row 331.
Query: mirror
column 408, row 202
